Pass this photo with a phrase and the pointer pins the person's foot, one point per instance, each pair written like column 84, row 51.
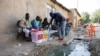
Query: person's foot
column 27, row 39
column 60, row 40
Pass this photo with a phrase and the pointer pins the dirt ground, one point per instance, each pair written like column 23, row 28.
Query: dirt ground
column 19, row 48
column 22, row 48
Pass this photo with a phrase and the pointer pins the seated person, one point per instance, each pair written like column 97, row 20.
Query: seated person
column 25, row 24
column 36, row 23
column 45, row 24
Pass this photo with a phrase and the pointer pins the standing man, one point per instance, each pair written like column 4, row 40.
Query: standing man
column 61, row 24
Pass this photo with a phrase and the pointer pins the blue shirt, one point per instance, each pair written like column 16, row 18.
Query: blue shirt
column 35, row 24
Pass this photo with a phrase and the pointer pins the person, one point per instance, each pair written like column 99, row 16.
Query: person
column 36, row 23
column 86, row 30
column 60, row 21
column 68, row 28
column 91, row 31
column 25, row 24
column 45, row 23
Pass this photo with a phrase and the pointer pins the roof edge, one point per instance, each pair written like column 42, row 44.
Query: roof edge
column 54, row 1
column 76, row 11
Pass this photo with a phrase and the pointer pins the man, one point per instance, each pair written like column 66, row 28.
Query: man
column 61, row 24
column 26, row 25
column 68, row 27
column 36, row 23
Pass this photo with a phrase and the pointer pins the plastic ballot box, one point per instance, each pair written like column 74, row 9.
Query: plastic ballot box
column 37, row 36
